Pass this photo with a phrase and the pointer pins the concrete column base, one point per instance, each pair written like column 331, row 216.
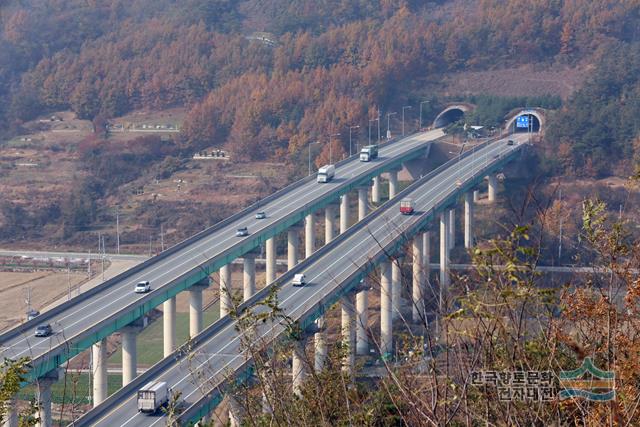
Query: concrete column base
column 249, row 276
column 386, row 322
column 99, row 370
column 226, row 301
column 271, row 260
column 43, row 391
column 348, row 333
column 362, row 322
column 298, row 367
column 320, row 343
column 309, row 235
column 169, row 326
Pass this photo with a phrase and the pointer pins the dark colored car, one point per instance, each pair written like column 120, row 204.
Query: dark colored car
column 510, row 142
column 43, row 330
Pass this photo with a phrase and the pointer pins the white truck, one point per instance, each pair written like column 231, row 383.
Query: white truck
column 152, row 396
column 326, row 173
column 368, row 153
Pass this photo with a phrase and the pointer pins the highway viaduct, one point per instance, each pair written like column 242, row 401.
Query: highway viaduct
column 128, row 321
column 336, row 273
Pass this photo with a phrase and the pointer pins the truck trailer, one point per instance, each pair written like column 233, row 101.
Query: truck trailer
column 368, row 153
column 326, row 173
column 152, row 396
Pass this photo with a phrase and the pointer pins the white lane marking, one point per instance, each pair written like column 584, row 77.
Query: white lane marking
column 443, row 181
column 417, row 139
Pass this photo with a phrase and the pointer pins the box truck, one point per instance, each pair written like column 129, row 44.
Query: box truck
column 325, row 173
column 152, row 396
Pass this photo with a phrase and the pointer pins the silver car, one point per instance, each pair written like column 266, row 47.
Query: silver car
column 241, row 232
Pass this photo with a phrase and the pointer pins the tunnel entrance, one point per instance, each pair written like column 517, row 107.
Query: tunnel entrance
column 526, row 123
column 447, row 117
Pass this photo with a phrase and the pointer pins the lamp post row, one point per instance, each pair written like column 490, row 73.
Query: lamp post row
column 351, row 128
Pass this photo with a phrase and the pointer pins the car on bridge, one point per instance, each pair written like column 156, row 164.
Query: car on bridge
column 261, row 215
column 510, row 142
column 406, row 206
column 242, row 231
column 299, row 280
column 43, row 330
column 143, row 287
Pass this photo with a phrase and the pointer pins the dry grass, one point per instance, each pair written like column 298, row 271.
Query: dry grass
column 46, row 287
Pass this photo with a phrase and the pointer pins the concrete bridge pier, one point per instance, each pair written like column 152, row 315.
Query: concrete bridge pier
column 492, row 187
column 168, row 326
column 452, row 228
column 396, row 287
column 248, row 276
column 348, row 333
column 329, row 223
column 468, row 220
column 43, row 386
column 426, row 255
column 476, row 196
column 362, row 321
column 320, row 344
column 271, row 260
column 386, row 325
column 298, row 366
column 99, row 371
column 344, row 212
column 225, row 290
column 130, row 350
column 393, row 184
column 362, row 202
column 375, row 190
column 309, row 235
column 444, row 255
column 195, row 307
column 418, row 280
column 293, row 243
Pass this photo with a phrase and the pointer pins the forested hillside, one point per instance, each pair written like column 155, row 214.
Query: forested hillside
column 263, row 78
column 333, row 63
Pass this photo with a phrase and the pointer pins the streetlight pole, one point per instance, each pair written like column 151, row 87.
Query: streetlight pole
column 330, row 147
column 378, row 124
column 370, row 120
column 423, row 102
column 388, row 123
column 313, row 142
column 350, row 128
column 404, row 108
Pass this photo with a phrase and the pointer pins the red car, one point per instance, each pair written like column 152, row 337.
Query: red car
column 406, row 206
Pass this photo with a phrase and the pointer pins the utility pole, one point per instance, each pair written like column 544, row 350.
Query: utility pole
column 560, row 233
column 89, row 266
column 162, row 237
column 389, row 123
column 117, row 231
column 68, row 280
column 403, row 109
column 103, row 256
column 423, row 102
column 150, row 239
column 378, row 124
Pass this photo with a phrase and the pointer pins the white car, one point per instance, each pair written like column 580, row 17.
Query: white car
column 299, row 280
column 143, row 287
column 241, row 232
column 261, row 215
